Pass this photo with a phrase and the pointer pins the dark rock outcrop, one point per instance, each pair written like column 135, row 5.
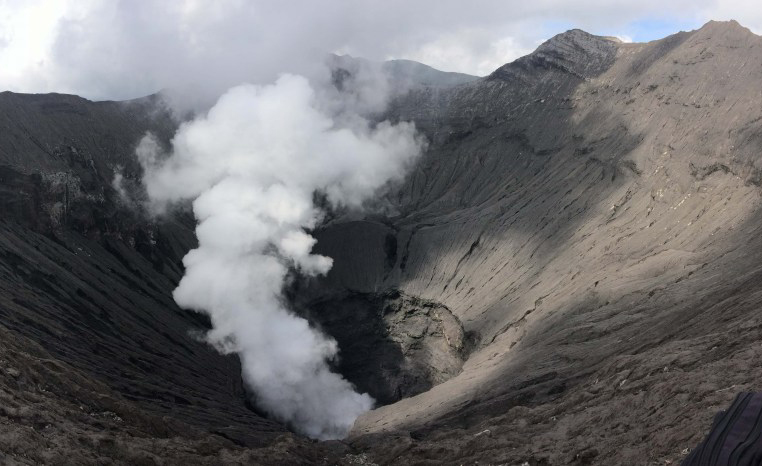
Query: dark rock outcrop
column 393, row 346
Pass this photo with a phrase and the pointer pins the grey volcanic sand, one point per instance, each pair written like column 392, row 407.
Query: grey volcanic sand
column 591, row 213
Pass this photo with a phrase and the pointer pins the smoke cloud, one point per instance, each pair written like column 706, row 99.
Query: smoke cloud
column 251, row 166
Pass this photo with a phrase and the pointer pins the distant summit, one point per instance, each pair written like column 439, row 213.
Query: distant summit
column 406, row 73
column 575, row 51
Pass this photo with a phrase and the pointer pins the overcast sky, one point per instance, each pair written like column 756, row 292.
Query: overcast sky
column 123, row 49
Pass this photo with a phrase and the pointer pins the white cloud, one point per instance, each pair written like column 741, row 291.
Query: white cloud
column 29, row 32
column 469, row 51
column 120, row 49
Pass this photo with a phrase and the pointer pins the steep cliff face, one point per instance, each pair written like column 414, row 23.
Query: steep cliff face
column 570, row 274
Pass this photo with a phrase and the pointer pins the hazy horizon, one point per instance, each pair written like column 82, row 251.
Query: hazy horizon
column 121, row 50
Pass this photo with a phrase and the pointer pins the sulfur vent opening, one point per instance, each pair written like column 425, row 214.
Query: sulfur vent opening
column 392, row 345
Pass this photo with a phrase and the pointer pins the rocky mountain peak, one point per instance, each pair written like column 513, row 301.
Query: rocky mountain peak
column 726, row 33
column 730, row 25
column 574, row 52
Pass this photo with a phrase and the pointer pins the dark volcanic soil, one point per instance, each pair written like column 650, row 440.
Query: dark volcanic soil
column 571, row 276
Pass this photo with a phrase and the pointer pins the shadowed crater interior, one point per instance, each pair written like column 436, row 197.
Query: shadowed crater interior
column 392, row 345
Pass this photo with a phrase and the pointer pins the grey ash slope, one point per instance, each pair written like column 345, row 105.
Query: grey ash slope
column 97, row 363
column 591, row 212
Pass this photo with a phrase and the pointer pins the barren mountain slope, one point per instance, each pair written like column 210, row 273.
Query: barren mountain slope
column 96, row 360
column 590, row 214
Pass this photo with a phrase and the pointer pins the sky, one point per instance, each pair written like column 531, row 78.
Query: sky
column 117, row 50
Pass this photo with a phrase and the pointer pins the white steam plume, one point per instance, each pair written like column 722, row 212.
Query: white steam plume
column 251, row 167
